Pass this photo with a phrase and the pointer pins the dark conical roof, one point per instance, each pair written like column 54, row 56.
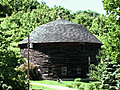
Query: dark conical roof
column 61, row 31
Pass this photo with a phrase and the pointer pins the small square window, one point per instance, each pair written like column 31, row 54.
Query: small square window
column 78, row 70
column 64, row 70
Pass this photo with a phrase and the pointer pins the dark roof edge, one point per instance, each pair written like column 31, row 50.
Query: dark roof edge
column 64, row 43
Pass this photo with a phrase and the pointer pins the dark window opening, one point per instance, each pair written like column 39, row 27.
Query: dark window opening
column 64, row 71
column 78, row 70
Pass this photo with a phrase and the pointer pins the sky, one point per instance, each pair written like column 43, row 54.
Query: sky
column 76, row 5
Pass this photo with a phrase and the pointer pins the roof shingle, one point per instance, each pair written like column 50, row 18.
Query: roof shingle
column 61, row 31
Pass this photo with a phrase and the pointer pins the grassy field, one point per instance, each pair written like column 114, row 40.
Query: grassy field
column 71, row 84
column 37, row 87
column 50, row 82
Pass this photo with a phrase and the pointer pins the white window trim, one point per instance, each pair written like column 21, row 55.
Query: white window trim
column 31, row 45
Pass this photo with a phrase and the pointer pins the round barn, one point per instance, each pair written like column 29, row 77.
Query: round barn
column 62, row 49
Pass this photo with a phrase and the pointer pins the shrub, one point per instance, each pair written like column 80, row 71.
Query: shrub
column 77, row 82
column 70, row 86
column 4, row 86
column 97, row 84
column 96, row 72
column 86, row 86
column 111, row 76
column 77, row 79
column 34, row 74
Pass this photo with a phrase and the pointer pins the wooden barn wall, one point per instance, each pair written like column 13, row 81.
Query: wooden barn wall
column 51, row 57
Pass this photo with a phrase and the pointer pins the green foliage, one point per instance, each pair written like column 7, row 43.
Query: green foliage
column 111, row 40
column 89, row 12
column 112, row 6
column 83, row 19
column 4, row 9
column 77, row 80
column 77, row 83
column 111, row 76
column 8, row 62
column 10, row 6
column 23, row 67
column 34, row 74
column 96, row 72
column 98, row 26
column 86, row 86
column 108, row 30
column 4, row 86
column 112, row 25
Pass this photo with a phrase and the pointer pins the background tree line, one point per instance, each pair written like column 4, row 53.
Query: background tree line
column 19, row 17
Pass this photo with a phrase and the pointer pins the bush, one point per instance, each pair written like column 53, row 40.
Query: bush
column 86, row 86
column 4, row 86
column 77, row 82
column 96, row 72
column 97, row 84
column 70, row 86
column 34, row 74
column 77, row 79
column 111, row 76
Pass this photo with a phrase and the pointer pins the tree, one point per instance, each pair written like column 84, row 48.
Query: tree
column 111, row 76
column 112, row 7
column 13, row 6
column 98, row 26
column 4, row 9
column 108, row 31
column 8, row 62
column 89, row 12
column 83, row 19
column 112, row 38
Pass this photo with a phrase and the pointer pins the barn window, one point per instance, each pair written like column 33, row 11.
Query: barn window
column 64, row 70
column 79, row 70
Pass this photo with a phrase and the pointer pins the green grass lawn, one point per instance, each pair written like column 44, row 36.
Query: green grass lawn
column 50, row 82
column 37, row 87
column 82, row 85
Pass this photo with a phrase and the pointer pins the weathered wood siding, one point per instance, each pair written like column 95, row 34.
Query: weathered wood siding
column 52, row 57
